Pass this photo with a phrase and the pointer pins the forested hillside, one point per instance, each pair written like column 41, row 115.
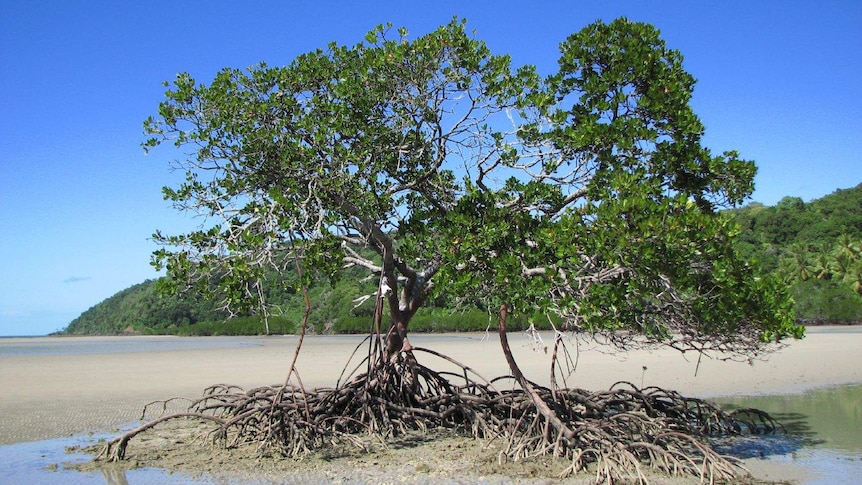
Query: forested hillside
column 142, row 308
column 816, row 247
column 334, row 309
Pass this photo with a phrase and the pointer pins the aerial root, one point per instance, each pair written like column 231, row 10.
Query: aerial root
column 618, row 432
column 624, row 430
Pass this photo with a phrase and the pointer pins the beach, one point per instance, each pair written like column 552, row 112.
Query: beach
column 56, row 393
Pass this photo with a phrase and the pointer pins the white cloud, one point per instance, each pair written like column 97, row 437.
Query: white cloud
column 77, row 279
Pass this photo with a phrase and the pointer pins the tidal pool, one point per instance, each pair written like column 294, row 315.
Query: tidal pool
column 823, row 440
column 823, row 433
column 45, row 463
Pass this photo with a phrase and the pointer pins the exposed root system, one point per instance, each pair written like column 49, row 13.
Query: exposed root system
column 617, row 433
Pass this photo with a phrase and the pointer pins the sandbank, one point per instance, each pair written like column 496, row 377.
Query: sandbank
column 52, row 396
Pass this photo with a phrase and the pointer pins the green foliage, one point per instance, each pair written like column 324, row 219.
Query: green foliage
column 454, row 177
column 251, row 325
column 792, row 220
column 140, row 308
column 815, row 247
column 821, row 302
column 436, row 320
column 817, row 301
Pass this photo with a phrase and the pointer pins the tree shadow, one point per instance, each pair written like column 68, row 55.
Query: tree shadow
column 794, row 434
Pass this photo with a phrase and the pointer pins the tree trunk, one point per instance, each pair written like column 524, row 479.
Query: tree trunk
column 396, row 338
column 401, row 310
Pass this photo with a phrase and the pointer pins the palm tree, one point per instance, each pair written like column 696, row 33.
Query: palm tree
column 795, row 264
column 849, row 247
column 821, row 263
column 842, row 264
column 853, row 277
column 848, row 261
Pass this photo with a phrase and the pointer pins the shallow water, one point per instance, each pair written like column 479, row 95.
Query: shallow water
column 111, row 345
column 823, row 433
column 47, row 462
column 823, row 439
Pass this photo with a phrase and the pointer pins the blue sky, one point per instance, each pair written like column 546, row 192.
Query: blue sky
column 780, row 81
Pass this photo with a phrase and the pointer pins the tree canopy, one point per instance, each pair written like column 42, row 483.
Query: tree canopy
column 586, row 193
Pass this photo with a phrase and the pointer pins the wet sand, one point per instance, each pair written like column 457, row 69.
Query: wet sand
column 51, row 396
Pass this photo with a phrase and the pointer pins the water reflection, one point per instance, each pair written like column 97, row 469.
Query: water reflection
column 830, row 417
column 823, row 433
column 50, row 462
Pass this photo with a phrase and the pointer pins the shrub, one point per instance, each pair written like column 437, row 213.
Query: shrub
column 820, row 302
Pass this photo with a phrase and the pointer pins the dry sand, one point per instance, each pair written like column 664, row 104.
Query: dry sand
column 51, row 396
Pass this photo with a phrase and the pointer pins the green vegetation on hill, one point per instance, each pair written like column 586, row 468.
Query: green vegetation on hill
column 816, row 247
column 143, row 309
